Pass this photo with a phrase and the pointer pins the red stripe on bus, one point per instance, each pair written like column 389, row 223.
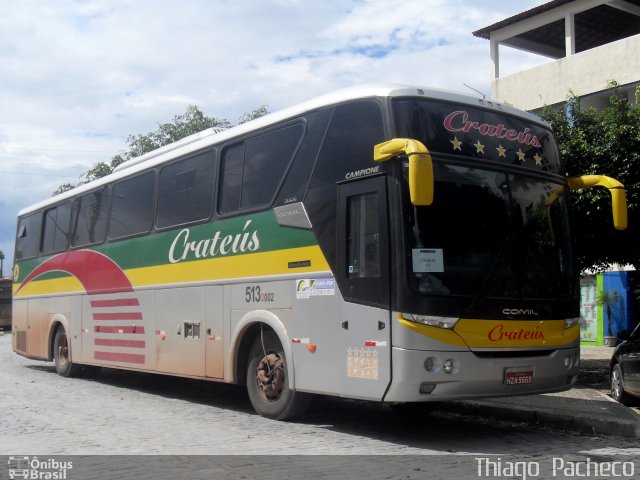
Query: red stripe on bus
column 111, row 342
column 119, row 357
column 118, row 316
column 122, row 302
column 97, row 272
column 124, row 329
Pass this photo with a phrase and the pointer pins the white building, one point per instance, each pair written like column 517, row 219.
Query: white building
column 589, row 43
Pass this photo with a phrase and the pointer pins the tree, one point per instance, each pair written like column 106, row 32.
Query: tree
column 257, row 113
column 190, row 122
column 603, row 142
column 65, row 187
column 609, row 299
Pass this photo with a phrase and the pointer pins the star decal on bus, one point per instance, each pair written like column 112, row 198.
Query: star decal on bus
column 538, row 159
column 479, row 147
column 520, row 154
column 457, row 144
column 502, row 152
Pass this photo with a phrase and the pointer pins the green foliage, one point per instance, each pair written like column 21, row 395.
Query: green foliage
column 605, row 142
column 65, row 187
column 257, row 113
column 190, row 122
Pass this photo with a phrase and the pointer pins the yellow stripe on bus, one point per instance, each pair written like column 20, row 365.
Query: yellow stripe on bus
column 516, row 333
column 225, row 268
column 212, row 269
column 500, row 333
column 48, row 287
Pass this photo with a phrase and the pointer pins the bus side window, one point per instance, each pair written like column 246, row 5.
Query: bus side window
column 348, row 145
column 363, row 242
column 28, row 238
column 266, row 161
column 232, row 163
column 55, row 235
column 252, row 171
column 185, row 192
column 132, row 206
column 90, row 218
column 363, row 236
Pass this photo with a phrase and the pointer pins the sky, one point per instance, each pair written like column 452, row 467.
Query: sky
column 78, row 76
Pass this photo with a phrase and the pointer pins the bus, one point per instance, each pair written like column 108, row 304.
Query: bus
column 386, row 243
column 6, row 285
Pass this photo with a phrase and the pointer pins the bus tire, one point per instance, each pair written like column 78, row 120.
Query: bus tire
column 62, row 355
column 268, row 383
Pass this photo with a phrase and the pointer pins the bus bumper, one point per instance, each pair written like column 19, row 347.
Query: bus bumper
column 419, row 376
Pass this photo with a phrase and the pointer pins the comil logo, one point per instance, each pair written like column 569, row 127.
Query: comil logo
column 520, row 311
column 38, row 469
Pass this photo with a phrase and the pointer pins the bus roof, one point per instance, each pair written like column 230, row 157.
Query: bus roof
column 213, row 136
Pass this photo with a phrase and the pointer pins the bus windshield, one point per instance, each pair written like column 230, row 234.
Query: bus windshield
column 491, row 234
column 498, row 226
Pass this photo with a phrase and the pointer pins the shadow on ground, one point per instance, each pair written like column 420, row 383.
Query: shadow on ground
column 594, row 373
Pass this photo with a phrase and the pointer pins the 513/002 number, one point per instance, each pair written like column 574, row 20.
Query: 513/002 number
column 253, row 294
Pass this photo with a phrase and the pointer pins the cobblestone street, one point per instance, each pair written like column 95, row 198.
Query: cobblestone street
column 124, row 413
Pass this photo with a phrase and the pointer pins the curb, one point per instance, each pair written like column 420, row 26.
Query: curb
column 606, row 418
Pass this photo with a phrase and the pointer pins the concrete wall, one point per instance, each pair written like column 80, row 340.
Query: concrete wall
column 583, row 73
column 621, row 313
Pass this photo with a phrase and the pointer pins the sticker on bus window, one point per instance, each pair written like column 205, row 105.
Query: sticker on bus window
column 428, row 260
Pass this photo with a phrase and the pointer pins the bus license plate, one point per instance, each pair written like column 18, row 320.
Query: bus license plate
column 518, row 376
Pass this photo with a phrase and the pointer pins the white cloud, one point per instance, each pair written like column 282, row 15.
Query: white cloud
column 79, row 76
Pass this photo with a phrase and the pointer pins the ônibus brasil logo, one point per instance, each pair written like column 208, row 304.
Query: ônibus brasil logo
column 35, row 468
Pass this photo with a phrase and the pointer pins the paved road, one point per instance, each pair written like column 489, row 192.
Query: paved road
column 124, row 413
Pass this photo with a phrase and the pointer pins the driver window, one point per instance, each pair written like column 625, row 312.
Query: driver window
column 363, row 236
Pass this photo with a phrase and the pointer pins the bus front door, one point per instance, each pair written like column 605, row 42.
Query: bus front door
column 363, row 275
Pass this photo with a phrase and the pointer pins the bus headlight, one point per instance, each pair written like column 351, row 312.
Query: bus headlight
column 441, row 322
column 570, row 322
column 448, row 366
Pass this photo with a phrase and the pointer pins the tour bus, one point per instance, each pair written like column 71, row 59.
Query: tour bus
column 387, row 243
column 6, row 286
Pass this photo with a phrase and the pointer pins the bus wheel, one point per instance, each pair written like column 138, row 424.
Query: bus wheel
column 267, row 381
column 61, row 355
